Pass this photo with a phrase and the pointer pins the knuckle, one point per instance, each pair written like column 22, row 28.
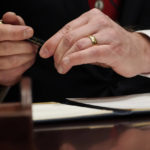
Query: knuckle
column 95, row 11
column 91, row 14
column 68, row 39
column 102, row 21
column 79, row 45
column 67, row 28
column 97, row 17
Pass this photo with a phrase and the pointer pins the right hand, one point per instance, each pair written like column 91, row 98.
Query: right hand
column 16, row 54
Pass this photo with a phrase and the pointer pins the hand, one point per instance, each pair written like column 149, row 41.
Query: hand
column 16, row 55
column 127, row 53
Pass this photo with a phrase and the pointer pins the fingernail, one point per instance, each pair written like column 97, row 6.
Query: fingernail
column 28, row 33
column 44, row 53
column 60, row 70
column 12, row 12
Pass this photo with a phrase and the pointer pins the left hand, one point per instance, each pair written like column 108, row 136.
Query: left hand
column 16, row 54
column 127, row 53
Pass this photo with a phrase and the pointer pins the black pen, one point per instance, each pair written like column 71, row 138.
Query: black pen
column 36, row 41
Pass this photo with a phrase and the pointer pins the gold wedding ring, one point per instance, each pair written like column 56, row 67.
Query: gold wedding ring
column 93, row 39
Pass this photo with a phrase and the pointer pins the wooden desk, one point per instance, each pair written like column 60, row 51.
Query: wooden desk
column 119, row 136
column 18, row 133
column 16, row 122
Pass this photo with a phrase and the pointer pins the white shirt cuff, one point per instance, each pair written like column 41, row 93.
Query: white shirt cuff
column 147, row 33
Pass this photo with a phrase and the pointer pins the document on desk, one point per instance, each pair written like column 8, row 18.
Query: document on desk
column 133, row 102
column 55, row 111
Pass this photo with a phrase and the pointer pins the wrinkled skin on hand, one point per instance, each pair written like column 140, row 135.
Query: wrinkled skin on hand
column 127, row 53
column 16, row 54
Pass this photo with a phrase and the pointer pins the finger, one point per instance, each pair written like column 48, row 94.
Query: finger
column 89, row 56
column 72, row 37
column 81, row 44
column 9, row 18
column 102, row 38
column 10, row 62
column 11, row 76
column 20, row 20
column 12, row 18
column 49, row 47
column 15, row 32
column 8, row 48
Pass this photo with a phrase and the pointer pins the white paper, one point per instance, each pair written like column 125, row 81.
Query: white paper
column 53, row 111
column 137, row 101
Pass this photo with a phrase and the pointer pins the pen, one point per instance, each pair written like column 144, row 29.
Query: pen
column 36, row 41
